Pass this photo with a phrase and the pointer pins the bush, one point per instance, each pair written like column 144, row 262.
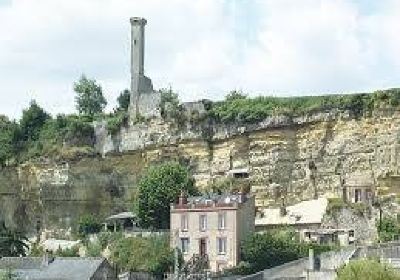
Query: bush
column 367, row 269
column 67, row 252
column 94, row 249
column 149, row 254
column 388, row 229
column 337, row 204
column 105, row 238
column 237, row 108
column 88, row 224
column 262, row 251
column 116, row 121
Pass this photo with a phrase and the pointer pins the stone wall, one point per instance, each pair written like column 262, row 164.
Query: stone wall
column 363, row 224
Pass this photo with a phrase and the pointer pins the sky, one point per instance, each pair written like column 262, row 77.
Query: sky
column 200, row 48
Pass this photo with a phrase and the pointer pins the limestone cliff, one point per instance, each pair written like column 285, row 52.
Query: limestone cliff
column 275, row 154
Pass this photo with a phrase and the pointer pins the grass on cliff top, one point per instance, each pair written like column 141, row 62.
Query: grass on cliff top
column 238, row 108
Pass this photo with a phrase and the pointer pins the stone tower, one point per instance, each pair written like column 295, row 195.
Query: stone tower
column 140, row 84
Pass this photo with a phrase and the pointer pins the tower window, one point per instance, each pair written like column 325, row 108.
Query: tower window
column 134, row 42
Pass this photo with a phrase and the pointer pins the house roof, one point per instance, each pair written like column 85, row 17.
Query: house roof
column 305, row 212
column 34, row 268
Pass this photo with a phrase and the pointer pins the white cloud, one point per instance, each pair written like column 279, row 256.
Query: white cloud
column 310, row 46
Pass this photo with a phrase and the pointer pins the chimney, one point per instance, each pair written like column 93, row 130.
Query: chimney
column 183, row 198
column 242, row 197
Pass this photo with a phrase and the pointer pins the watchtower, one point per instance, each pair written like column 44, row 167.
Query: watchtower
column 139, row 82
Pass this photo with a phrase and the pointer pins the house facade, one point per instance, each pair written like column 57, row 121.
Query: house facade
column 212, row 227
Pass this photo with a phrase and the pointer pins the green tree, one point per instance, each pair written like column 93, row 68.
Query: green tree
column 234, row 95
column 12, row 243
column 32, row 121
column 8, row 132
column 88, row 224
column 149, row 254
column 89, row 99
column 124, row 100
column 388, row 229
column 367, row 269
column 160, row 186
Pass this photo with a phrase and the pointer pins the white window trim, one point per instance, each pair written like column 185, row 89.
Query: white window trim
column 225, row 247
column 203, row 222
column 188, row 245
column 222, row 217
column 184, row 222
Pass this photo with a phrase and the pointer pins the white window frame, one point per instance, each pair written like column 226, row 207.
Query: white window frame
column 184, row 222
column 185, row 250
column 222, row 220
column 222, row 245
column 203, row 222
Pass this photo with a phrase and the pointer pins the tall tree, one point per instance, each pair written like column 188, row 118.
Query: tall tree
column 89, row 99
column 124, row 100
column 8, row 131
column 32, row 122
column 159, row 187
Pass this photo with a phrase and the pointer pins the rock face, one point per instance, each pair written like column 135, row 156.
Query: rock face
column 363, row 224
column 300, row 157
column 296, row 158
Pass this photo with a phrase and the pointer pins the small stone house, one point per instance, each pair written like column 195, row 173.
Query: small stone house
column 359, row 188
column 212, row 227
column 46, row 268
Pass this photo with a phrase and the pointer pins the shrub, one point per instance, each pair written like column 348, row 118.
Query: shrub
column 388, row 229
column 67, row 252
column 150, row 254
column 88, row 224
column 335, row 204
column 270, row 249
column 237, row 108
column 367, row 269
column 116, row 121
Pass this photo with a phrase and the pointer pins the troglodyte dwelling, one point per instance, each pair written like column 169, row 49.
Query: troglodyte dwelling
column 212, row 227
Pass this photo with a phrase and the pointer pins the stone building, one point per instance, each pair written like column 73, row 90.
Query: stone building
column 359, row 187
column 212, row 227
